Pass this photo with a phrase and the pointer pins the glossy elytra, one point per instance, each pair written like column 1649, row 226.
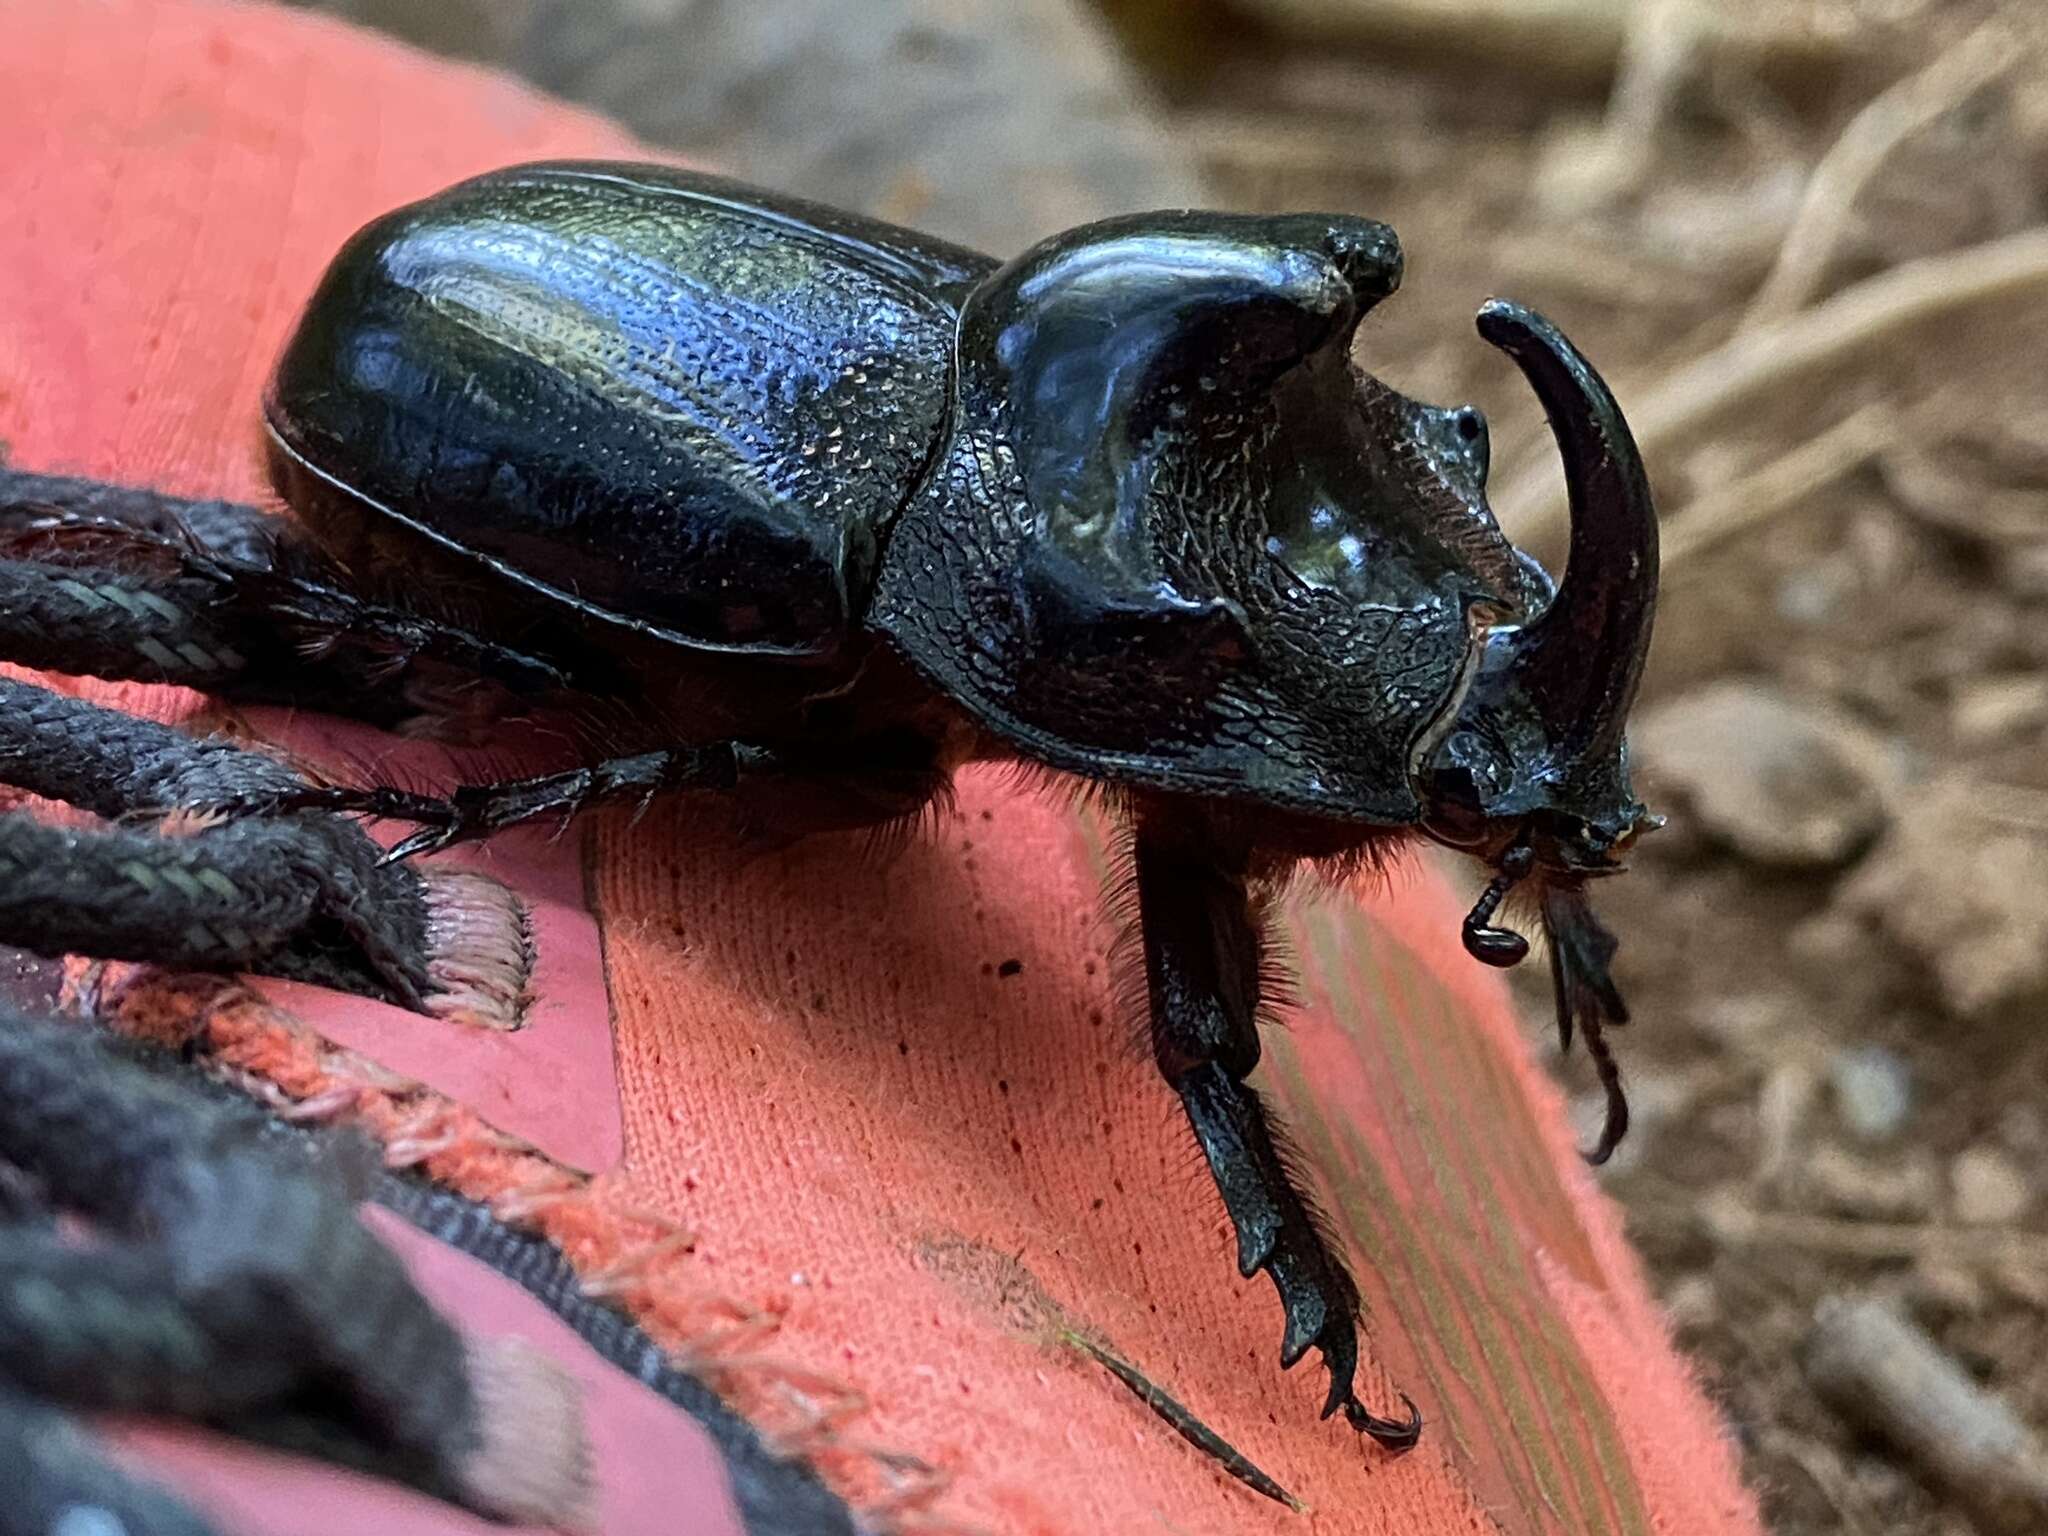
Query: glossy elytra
column 858, row 507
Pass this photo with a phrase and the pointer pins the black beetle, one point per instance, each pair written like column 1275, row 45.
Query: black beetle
column 856, row 507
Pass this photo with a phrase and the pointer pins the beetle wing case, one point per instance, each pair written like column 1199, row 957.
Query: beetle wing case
column 1178, row 540
column 662, row 398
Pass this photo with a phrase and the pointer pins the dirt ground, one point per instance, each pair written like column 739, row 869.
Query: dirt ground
column 1837, row 954
column 1795, row 239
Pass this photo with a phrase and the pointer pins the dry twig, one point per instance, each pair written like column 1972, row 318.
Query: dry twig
column 1729, row 1219
column 2016, row 805
column 1772, row 356
column 1888, row 120
column 1881, row 1371
column 1565, row 42
column 1825, row 1468
column 1711, row 520
column 1661, row 47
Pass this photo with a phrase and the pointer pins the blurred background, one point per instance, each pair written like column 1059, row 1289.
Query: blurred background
column 1805, row 243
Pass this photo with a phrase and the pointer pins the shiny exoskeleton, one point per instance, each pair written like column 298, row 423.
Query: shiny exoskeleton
column 844, row 507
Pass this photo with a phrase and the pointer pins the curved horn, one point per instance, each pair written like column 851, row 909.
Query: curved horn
column 1582, row 659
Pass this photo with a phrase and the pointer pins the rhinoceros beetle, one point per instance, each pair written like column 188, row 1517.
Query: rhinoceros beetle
column 836, row 508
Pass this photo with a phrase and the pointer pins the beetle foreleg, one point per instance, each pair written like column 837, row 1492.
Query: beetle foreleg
column 1202, row 953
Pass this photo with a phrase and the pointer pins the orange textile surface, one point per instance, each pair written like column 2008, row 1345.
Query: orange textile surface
column 888, row 1150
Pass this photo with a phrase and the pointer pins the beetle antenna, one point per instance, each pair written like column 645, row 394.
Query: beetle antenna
column 1500, row 947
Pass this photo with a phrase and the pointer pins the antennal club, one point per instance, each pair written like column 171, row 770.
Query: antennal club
column 1501, row 947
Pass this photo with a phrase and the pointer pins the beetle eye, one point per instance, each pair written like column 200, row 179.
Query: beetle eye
column 1454, row 815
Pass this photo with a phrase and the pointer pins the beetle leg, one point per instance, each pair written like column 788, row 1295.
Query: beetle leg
column 471, row 811
column 1202, row 956
column 304, row 897
column 126, row 583
column 878, row 782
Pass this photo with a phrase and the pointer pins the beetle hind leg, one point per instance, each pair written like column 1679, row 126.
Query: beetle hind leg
column 472, row 811
column 1202, row 963
column 880, row 783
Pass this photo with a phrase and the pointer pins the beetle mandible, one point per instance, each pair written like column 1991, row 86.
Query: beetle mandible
column 861, row 507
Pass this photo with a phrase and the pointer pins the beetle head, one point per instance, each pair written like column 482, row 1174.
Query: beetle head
column 1181, row 542
column 1527, row 767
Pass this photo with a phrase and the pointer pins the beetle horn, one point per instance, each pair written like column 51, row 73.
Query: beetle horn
column 1581, row 660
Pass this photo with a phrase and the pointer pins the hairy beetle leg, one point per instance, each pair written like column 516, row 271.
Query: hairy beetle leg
column 472, row 811
column 1202, row 961
column 865, row 783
